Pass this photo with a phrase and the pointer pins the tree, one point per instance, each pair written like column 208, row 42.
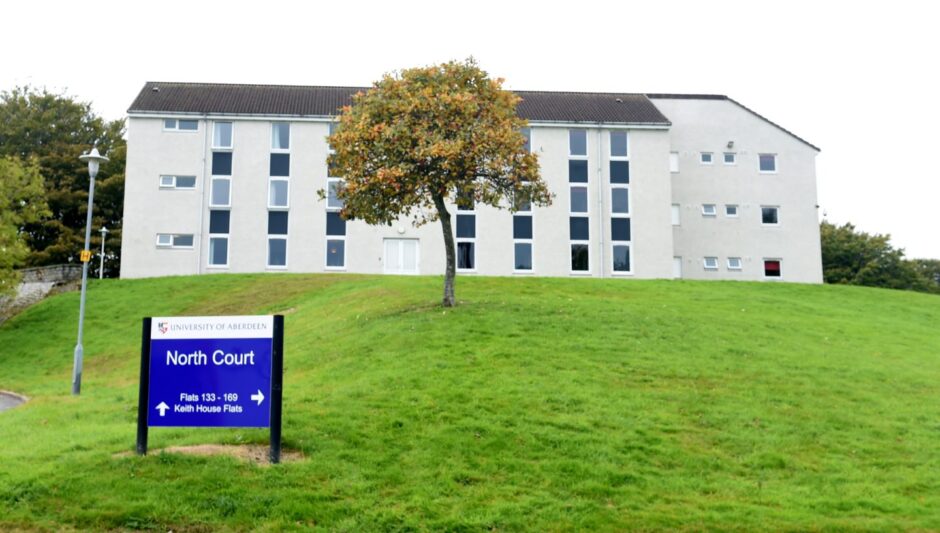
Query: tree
column 930, row 270
column 22, row 201
column 55, row 129
column 857, row 258
column 424, row 136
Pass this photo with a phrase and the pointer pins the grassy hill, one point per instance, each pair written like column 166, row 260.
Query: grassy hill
column 540, row 404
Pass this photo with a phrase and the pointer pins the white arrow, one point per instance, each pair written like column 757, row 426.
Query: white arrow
column 162, row 407
column 258, row 397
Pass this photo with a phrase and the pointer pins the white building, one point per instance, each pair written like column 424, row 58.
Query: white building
column 224, row 178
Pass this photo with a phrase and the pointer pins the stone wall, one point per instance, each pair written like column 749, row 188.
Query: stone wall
column 36, row 284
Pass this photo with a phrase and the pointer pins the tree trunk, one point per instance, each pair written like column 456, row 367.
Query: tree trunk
column 450, row 271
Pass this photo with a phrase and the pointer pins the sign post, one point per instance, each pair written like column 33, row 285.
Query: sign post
column 211, row 372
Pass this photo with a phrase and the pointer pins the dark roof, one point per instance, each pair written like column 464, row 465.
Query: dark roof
column 288, row 100
column 666, row 96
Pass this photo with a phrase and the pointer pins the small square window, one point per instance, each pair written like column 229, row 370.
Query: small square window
column 466, row 226
column 580, row 261
column 222, row 135
column 577, row 171
column 221, row 163
column 768, row 163
column 709, row 210
column 185, row 182
column 772, row 268
column 731, row 210
column 620, row 172
column 618, row 144
column 734, row 263
column 280, row 136
column 335, row 253
column 711, row 263
column 465, row 255
column 730, row 158
column 164, row 239
column 523, row 256
column 277, row 222
column 280, row 165
column 620, row 229
column 770, row 216
column 578, row 229
column 521, row 227
column 579, row 201
column 621, row 258
column 169, row 123
column 335, row 224
column 219, row 221
column 167, row 181
column 705, row 158
column 577, row 142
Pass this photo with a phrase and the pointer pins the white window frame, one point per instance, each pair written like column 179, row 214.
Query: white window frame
column 673, row 162
column 587, row 147
column 339, row 183
column 589, row 271
column 763, row 268
column 776, row 163
column 228, row 249
column 776, row 208
column 530, row 241
column 267, row 260
column 171, row 243
column 734, row 158
column 709, row 213
column 216, row 147
column 705, row 261
column 675, row 214
column 628, row 215
column 735, row 268
column 737, row 210
column 173, row 184
column 290, row 140
column 457, row 240
column 711, row 158
column 212, row 191
column 176, row 127
column 326, row 252
column 271, row 205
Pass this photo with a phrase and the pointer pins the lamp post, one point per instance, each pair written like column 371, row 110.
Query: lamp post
column 104, row 233
column 94, row 159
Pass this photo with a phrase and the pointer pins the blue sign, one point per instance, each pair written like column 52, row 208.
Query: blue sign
column 210, row 371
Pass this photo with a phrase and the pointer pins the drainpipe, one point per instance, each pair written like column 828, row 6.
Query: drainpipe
column 206, row 184
column 600, row 198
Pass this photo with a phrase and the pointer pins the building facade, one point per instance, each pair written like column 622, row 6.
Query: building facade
column 224, row 178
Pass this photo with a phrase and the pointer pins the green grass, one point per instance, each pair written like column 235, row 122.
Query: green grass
column 537, row 404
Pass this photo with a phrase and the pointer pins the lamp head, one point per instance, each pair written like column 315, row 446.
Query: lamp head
column 94, row 160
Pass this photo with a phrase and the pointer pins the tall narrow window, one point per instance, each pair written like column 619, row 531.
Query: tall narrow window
column 219, row 222
column 522, row 237
column 620, row 237
column 578, row 222
column 280, row 136
column 466, row 234
column 335, row 240
column 222, row 135
column 277, row 239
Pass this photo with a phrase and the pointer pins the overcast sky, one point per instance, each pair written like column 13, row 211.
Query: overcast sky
column 860, row 81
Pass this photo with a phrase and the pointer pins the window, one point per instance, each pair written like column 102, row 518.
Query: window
column 621, row 258
column 675, row 215
column 711, row 263
column 522, row 237
column 280, row 165
column 333, row 186
column 219, row 225
column 577, row 171
column 768, row 163
column 177, row 182
column 280, row 136
column 278, row 193
column 172, row 124
column 277, row 238
column 618, row 144
column 335, row 241
column 769, row 215
column 522, row 256
column 577, row 143
column 620, row 240
column 578, row 229
column 734, row 263
column 579, row 201
column 620, row 172
column 174, row 240
column 705, row 158
column 466, row 241
column 527, row 134
column 221, row 163
column 674, row 162
column 222, row 135
column 579, row 258
column 620, row 201
column 772, row 268
column 709, row 210
column 730, row 158
column 731, row 210
column 221, row 192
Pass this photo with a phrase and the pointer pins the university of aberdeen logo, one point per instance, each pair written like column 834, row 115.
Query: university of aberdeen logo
column 163, row 326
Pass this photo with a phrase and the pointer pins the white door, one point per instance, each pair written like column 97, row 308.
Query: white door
column 676, row 267
column 401, row 256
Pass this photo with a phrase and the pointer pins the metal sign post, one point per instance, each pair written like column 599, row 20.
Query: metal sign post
column 211, row 372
